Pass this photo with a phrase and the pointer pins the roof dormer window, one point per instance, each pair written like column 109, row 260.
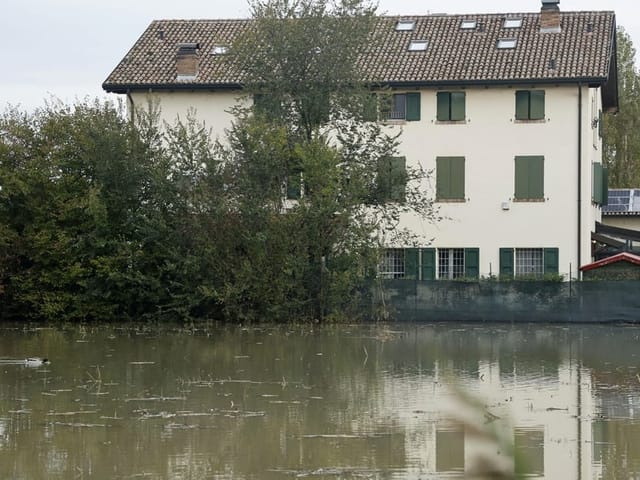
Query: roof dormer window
column 405, row 25
column 418, row 46
column 512, row 23
column 468, row 24
column 507, row 43
column 220, row 50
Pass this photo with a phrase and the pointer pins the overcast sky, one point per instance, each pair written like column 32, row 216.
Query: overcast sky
column 65, row 49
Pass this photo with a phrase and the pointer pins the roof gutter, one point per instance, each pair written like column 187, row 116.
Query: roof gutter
column 130, row 87
column 591, row 81
column 595, row 81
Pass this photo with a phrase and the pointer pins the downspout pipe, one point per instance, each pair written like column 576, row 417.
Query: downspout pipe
column 131, row 106
column 579, row 263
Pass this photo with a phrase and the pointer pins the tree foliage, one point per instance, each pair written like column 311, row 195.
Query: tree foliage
column 307, row 129
column 621, row 141
column 103, row 219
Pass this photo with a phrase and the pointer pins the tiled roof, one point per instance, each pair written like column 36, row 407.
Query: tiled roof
column 582, row 51
column 620, row 257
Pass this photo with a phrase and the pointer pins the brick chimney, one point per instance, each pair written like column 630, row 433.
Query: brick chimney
column 550, row 16
column 187, row 61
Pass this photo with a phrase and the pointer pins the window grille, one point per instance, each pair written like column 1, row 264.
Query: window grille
column 529, row 262
column 398, row 107
column 392, row 263
column 450, row 263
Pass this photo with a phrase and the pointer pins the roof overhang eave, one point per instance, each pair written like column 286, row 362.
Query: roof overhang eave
column 591, row 81
column 133, row 87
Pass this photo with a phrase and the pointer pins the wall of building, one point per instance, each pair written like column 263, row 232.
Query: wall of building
column 213, row 108
column 631, row 222
column 489, row 139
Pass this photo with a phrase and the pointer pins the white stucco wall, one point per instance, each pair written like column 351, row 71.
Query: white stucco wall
column 211, row 107
column 489, row 139
column 631, row 222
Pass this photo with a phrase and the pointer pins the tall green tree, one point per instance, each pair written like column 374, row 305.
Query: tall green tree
column 103, row 221
column 308, row 170
column 621, row 139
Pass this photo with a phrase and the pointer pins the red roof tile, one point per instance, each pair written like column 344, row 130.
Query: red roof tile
column 620, row 257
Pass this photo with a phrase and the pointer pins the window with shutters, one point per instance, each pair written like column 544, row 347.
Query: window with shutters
column 401, row 106
column 450, row 179
column 530, row 105
column 528, row 262
column 529, row 178
column 391, row 180
column 451, row 106
column 450, row 263
column 430, row 263
column 294, row 186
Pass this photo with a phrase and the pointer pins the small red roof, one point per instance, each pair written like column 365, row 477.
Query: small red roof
column 620, row 257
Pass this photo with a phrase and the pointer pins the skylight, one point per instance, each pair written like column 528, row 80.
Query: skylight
column 220, row 50
column 468, row 24
column 505, row 43
column 405, row 25
column 418, row 46
column 513, row 22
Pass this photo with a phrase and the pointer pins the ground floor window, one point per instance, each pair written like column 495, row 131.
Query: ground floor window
column 392, row 263
column 450, row 263
column 529, row 262
column 429, row 263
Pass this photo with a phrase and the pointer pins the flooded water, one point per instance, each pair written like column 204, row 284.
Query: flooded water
column 403, row 401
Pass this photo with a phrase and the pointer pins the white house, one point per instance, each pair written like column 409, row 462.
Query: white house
column 505, row 108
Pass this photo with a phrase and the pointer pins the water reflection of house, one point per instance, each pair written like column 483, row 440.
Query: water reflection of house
column 545, row 415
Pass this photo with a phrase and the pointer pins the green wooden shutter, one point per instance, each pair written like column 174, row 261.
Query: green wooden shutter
column 383, row 180
column 370, row 108
column 536, row 105
column 597, row 183
column 536, row 177
column 444, row 101
column 457, row 178
column 522, row 105
column 472, row 262
column 551, row 257
column 411, row 264
column 294, row 185
column 600, row 126
column 529, row 177
column 450, row 178
column 443, row 178
column 506, row 262
column 605, row 186
column 398, row 179
column 522, row 179
column 428, row 264
column 457, row 106
column 413, row 106
column 385, row 105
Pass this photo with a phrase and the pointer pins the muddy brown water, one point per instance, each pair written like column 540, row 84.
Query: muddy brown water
column 402, row 401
